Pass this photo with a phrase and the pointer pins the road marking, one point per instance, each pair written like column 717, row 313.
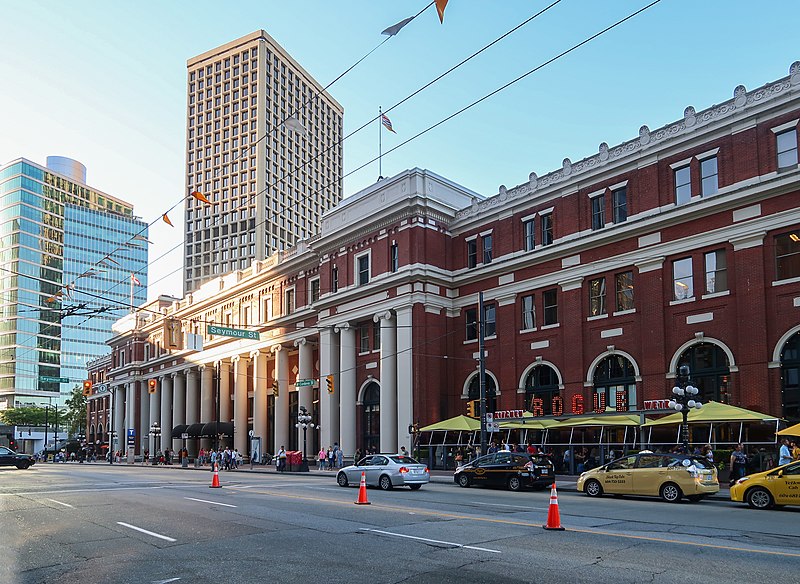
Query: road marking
column 504, row 505
column 165, row 581
column 158, row 535
column 458, row 545
column 81, row 491
column 209, row 502
column 60, row 503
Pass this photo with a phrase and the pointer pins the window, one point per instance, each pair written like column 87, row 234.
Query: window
column 363, row 338
column 288, row 301
column 528, row 313
column 489, row 324
column 709, row 180
column 363, row 270
column 716, row 271
column 487, row 249
column 624, row 287
column 598, row 212
column 394, row 257
column 787, row 256
column 529, row 230
column 471, row 324
column 472, row 253
column 619, row 200
column 683, row 185
column 597, row 297
column 547, row 229
column 550, row 301
column 787, row 149
column 682, row 279
column 334, row 279
column 315, row 290
column 376, row 336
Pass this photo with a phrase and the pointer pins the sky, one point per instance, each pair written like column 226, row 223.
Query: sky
column 105, row 83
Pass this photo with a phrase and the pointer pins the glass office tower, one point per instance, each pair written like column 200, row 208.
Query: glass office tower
column 58, row 296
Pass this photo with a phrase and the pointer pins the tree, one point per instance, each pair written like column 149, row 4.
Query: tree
column 74, row 417
column 24, row 416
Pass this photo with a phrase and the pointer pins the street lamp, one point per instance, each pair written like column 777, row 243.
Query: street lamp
column 304, row 422
column 155, row 432
column 683, row 401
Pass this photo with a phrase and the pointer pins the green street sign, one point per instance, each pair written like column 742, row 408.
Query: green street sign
column 48, row 379
column 304, row 382
column 225, row 331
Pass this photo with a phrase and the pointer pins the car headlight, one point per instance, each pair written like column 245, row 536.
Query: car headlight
column 741, row 480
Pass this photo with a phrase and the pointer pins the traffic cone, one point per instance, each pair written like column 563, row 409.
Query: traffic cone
column 362, row 491
column 215, row 481
column 553, row 516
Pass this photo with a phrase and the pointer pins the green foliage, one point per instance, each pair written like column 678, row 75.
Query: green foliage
column 25, row 416
column 74, row 418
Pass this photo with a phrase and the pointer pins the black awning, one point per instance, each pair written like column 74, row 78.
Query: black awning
column 195, row 430
column 213, row 429
column 178, row 430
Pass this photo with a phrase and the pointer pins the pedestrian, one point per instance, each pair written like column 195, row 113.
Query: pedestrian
column 331, row 458
column 785, row 455
column 201, row 456
column 322, row 457
column 403, row 451
column 340, row 458
column 795, row 449
column 146, row 456
column 357, row 456
column 738, row 463
column 282, row 459
column 709, row 454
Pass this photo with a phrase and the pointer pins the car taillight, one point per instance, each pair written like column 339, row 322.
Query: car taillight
column 426, row 469
column 403, row 470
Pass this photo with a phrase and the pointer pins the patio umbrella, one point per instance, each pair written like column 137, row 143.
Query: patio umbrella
column 713, row 412
column 458, row 424
column 790, row 431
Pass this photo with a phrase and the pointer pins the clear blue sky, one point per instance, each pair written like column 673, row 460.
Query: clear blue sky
column 105, row 82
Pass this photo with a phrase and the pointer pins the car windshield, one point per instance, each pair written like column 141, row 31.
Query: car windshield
column 400, row 459
column 697, row 462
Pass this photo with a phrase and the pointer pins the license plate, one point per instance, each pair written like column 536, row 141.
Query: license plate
column 416, row 471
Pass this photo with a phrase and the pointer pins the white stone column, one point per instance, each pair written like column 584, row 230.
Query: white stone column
column 154, row 415
column 240, row 427
column 388, row 378
column 165, row 440
column 347, row 388
column 328, row 403
column 282, row 401
column 305, row 367
column 208, row 412
column 405, row 376
column 144, row 417
column 192, row 406
column 130, row 417
column 260, row 384
column 178, row 406
column 225, row 391
column 119, row 418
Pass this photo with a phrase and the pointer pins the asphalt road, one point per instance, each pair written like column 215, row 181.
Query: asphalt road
column 71, row 523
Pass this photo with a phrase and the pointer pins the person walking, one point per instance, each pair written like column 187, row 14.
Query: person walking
column 340, row 458
column 357, row 456
column 738, row 463
column 795, row 449
column 331, row 458
column 282, row 459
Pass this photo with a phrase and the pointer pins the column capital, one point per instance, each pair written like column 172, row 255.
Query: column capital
column 255, row 353
column 235, row 359
column 344, row 326
column 301, row 341
column 276, row 348
column 385, row 315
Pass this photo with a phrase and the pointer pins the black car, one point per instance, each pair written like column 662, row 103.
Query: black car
column 10, row 458
column 513, row 470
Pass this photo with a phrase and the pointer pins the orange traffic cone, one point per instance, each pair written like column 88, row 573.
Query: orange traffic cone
column 362, row 491
column 215, row 481
column 553, row 516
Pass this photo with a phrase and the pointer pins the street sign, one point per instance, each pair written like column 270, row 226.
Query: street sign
column 184, row 436
column 48, row 379
column 304, row 382
column 225, row 331
column 131, row 432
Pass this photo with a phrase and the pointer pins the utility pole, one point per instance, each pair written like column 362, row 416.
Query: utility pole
column 482, row 361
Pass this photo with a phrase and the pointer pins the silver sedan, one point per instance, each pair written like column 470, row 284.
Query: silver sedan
column 385, row 471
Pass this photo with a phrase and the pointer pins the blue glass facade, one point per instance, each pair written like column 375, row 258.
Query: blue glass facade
column 53, row 231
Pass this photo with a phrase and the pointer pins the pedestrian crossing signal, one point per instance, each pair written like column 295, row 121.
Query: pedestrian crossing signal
column 275, row 388
column 152, row 385
column 87, row 387
column 329, row 382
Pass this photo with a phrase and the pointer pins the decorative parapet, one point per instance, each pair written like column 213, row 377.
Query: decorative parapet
column 741, row 101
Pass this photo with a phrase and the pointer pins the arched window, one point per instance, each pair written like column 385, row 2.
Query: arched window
column 614, row 385
column 790, row 378
column 372, row 417
column 708, row 365
column 474, row 391
column 541, row 386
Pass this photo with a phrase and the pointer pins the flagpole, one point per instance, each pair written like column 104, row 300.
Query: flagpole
column 380, row 133
column 131, row 282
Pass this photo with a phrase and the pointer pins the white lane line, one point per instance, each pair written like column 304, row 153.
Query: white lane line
column 79, row 491
column 209, row 502
column 504, row 505
column 158, row 535
column 60, row 503
column 165, row 581
column 458, row 545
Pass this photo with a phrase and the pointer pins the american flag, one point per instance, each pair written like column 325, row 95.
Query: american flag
column 387, row 123
column 135, row 280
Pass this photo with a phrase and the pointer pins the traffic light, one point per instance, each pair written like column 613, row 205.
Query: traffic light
column 329, row 382
column 471, row 408
column 87, row 387
column 275, row 388
column 152, row 385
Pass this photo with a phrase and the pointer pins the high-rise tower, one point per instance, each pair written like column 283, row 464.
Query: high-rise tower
column 263, row 145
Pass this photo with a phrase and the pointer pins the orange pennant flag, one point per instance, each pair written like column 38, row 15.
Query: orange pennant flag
column 200, row 197
column 166, row 220
column 440, row 4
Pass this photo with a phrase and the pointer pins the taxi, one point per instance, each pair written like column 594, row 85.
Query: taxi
column 669, row 476
column 513, row 470
column 777, row 486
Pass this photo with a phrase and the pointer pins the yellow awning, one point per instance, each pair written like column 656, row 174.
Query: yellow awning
column 528, row 422
column 457, row 424
column 601, row 420
column 790, row 431
column 713, row 412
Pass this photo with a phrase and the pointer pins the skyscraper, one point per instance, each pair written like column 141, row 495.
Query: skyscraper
column 54, row 230
column 263, row 145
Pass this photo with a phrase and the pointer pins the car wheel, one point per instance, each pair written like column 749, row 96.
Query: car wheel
column 759, row 498
column 671, row 493
column 23, row 465
column 341, row 478
column 385, row 483
column 463, row 481
column 415, row 487
column 593, row 488
column 514, row 484
column 695, row 498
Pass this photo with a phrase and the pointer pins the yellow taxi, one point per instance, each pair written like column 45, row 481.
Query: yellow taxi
column 669, row 476
column 777, row 486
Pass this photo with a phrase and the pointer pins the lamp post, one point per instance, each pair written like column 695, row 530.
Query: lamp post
column 683, row 401
column 304, row 422
column 155, row 432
